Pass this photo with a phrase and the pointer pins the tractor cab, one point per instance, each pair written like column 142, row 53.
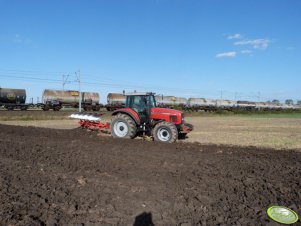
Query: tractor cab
column 142, row 103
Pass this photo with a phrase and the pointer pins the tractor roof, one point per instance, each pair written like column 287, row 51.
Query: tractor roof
column 140, row 94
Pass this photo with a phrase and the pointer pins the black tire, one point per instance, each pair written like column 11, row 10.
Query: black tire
column 123, row 126
column 97, row 108
column 57, row 108
column 45, row 108
column 165, row 132
column 10, row 108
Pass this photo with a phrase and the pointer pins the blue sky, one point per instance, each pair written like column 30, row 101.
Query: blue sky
column 191, row 48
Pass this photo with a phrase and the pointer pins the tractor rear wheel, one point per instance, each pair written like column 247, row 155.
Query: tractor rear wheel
column 165, row 132
column 123, row 126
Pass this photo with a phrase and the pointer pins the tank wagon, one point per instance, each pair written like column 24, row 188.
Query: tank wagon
column 180, row 102
column 226, row 104
column 165, row 101
column 171, row 101
column 115, row 101
column 262, row 106
column 202, row 104
column 246, row 105
column 56, row 99
column 13, row 98
column 196, row 104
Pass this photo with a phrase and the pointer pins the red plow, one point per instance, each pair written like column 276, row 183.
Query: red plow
column 91, row 121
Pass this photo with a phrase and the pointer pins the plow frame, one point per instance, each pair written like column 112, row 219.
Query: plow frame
column 100, row 126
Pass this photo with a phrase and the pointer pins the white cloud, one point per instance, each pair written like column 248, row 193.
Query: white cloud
column 235, row 36
column 226, row 54
column 255, row 43
column 246, row 51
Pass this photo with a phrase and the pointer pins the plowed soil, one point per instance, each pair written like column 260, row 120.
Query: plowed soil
column 74, row 177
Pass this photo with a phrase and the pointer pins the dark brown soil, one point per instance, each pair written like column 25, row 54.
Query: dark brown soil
column 74, row 177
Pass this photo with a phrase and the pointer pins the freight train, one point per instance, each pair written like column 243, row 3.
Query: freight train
column 12, row 99
column 202, row 104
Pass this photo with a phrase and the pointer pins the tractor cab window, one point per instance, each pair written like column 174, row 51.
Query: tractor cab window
column 141, row 103
column 152, row 102
column 138, row 103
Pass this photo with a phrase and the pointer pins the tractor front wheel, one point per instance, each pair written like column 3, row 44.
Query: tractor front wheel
column 123, row 126
column 165, row 132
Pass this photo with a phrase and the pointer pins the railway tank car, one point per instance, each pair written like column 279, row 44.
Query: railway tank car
column 115, row 101
column 204, row 104
column 56, row 99
column 226, row 104
column 246, row 105
column 196, row 104
column 13, row 98
column 180, row 102
column 91, row 101
column 165, row 101
column 171, row 101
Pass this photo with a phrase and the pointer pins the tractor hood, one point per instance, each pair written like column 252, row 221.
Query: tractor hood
column 166, row 114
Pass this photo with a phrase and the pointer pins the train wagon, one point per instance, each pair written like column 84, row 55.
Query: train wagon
column 180, row 102
column 13, row 98
column 166, row 101
column 56, row 99
column 226, row 104
column 115, row 101
column 204, row 104
column 246, row 105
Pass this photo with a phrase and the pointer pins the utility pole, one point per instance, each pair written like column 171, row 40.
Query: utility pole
column 65, row 80
column 235, row 95
column 80, row 94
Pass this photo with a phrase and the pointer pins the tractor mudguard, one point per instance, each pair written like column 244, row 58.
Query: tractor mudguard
column 133, row 114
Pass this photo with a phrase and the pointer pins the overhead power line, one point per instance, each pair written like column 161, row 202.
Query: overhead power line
column 106, row 82
column 30, row 78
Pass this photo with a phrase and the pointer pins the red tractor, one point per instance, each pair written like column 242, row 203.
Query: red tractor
column 142, row 117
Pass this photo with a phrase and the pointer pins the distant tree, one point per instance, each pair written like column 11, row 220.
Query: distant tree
column 289, row 102
column 299, row 102
column 276, row 101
